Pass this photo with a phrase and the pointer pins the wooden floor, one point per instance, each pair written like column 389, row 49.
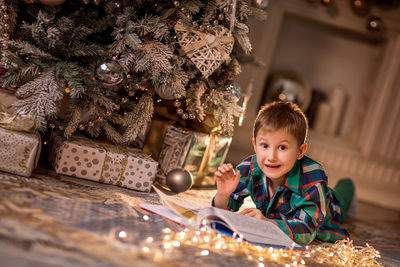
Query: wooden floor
column 383, row 226
column 368, row 211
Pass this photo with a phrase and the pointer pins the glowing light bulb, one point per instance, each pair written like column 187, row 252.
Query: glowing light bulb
column 122, row 234
column 204, row 253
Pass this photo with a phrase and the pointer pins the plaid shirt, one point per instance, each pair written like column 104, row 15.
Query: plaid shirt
column 304, row 207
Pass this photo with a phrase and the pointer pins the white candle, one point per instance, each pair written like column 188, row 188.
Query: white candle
column 323, row 117
column 337, row 102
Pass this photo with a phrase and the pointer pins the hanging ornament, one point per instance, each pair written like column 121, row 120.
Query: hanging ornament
column 234, row 89
column 263, row 4
column 375, row 24
column 179, row 180
column 207, row 50
column 165, row 92
column 360, row 7
column 109, row 73
column 52, row 2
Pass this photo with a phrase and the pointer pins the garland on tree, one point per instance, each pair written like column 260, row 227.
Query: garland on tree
column 101, row 66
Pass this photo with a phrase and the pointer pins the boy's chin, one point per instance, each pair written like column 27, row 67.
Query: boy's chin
column 273, row 175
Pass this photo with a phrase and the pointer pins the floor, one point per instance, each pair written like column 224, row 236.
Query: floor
column 55, row 220
column 383, row 228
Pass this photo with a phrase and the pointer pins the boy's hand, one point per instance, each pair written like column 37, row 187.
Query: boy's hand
column 226, row 179
column 253, row 212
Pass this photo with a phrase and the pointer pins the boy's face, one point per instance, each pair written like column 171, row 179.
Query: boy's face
column 277, row 151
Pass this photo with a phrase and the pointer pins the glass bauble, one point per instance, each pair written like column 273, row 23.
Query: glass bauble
column 109, row 73
column 179, row 180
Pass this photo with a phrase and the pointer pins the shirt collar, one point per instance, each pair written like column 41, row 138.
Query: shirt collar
column 293, row 179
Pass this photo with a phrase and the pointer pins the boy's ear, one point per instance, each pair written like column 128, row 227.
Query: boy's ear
column 302, row 150
column 254, row 144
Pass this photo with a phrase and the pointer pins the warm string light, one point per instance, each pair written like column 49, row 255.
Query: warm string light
column 337, row 254
column 208, row 242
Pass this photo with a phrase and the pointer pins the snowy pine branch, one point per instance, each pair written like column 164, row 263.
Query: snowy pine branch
column 136, row 122
column 225, row 110
column 44, row 96
column 74, row 121
column 193, row 102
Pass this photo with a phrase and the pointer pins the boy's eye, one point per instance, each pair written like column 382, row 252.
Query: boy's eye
column 282, row 147
column 264, row 145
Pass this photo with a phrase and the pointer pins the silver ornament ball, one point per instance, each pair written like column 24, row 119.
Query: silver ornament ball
column 179, row 180
column 109, row 73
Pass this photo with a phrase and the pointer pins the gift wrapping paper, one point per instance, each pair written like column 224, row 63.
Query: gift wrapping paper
column 181, row 149
column 7, row 99
column 84, row 158
column 214, row 156
column 19, row 151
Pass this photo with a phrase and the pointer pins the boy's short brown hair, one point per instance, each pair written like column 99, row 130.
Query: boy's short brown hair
column 283, row 115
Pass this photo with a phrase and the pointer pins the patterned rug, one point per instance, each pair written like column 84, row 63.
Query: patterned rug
column 55, row 220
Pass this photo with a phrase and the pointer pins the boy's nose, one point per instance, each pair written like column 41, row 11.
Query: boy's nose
column 272, row 156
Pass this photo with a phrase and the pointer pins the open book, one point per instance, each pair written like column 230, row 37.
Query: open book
column 253, row 230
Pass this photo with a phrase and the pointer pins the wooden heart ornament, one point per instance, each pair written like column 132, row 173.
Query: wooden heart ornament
column 206, row 50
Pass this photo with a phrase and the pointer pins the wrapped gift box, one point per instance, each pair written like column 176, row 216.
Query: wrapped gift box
column 19, row 151
column 181, row 149
column 214, row 156
column 88, row 159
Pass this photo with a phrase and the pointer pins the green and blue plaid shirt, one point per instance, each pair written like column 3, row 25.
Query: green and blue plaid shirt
column 304, row 207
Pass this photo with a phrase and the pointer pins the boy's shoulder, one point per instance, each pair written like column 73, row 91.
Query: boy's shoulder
column 307, row 162
column 312, row 171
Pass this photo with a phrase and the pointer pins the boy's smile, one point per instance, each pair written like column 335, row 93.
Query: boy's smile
column 277, row 151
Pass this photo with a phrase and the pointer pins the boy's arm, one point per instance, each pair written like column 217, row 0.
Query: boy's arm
column 307, row 215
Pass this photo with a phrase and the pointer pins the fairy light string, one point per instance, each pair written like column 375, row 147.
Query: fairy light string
column 206, row 243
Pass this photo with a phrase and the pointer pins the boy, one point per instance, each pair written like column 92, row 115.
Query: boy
column 287, row 188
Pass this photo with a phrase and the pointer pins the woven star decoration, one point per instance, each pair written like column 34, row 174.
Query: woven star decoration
column 207, row 50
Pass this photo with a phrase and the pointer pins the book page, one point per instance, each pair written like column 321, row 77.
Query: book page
column 181, row 200
column 252, row 229
column 166, row 212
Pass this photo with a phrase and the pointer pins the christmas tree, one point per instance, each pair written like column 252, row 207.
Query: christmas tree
column 106, row 67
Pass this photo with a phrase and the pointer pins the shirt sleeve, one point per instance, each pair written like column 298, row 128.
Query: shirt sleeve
column 306, row 215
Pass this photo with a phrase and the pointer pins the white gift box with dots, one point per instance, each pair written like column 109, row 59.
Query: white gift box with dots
column 84, row 158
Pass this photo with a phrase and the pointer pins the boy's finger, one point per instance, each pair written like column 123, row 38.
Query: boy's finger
column 221, row 169
column 237, row 175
